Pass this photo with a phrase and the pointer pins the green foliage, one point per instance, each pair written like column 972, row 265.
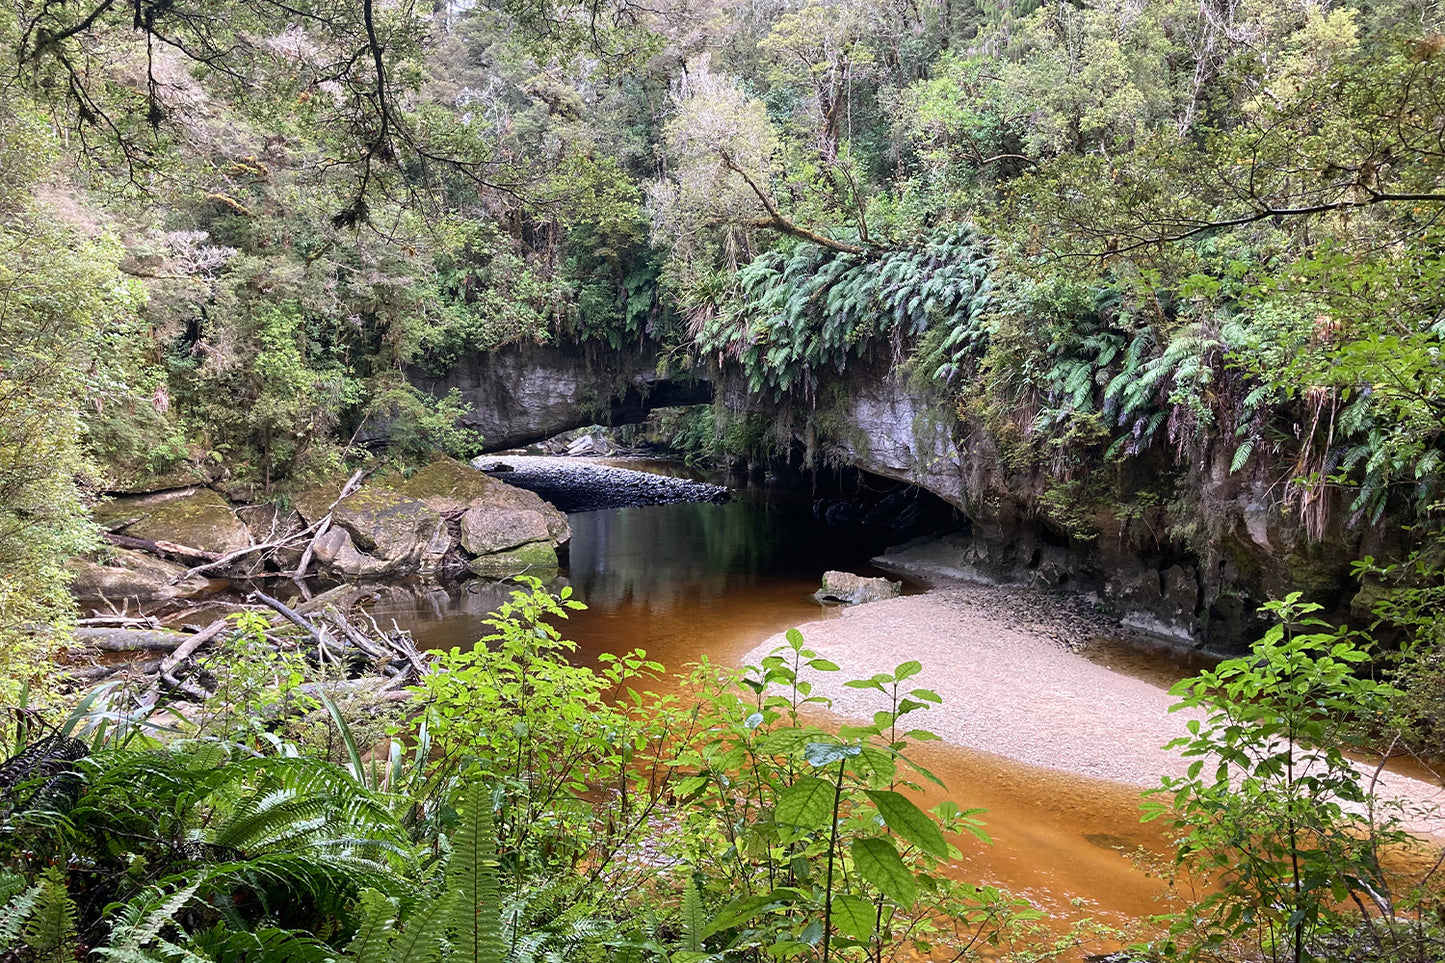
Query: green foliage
column 541, row 729
column 64, row 304
column 50, row 931
column 797, row 315
column 1282, row 826
column 809, row 843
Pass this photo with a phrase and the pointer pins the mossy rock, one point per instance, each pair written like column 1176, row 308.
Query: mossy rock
column 386, row 524
column 447, row 486
column 130, row 575
column 534, row 558
column 450, row 487
column 199, row 518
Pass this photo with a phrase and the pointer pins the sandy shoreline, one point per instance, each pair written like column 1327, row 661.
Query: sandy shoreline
column 1011, row 686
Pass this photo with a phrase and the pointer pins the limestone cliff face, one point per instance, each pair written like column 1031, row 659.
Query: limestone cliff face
column 524, row 393
column 1193, row 565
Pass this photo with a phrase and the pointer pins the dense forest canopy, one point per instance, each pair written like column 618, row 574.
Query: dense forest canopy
column 1101, row 231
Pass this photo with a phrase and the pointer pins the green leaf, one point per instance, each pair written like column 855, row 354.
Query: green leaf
column 807, row 803
column 907, row 670
column 826, row 753
column 740, row 911
column 910, row 822
column 877, row 861
column 854, row 916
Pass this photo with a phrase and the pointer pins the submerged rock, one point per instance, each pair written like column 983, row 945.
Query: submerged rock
column 533, row 558
column 856, row 589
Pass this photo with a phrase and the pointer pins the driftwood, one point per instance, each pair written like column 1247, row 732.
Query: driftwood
column 130, row 640
column 163, row 549
column 314, row 532
column 343, row 596
column 292, row 616
column 220, row 561
column 390, row 661
column 169, row 663
column 119, row 622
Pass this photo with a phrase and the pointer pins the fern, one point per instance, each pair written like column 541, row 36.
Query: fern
column 378, row 926
column 140, row 922
column 810, row 310
column 51, row 929
column 1241, row 455
column 472, row 876
column 694, row 921
column 15, row 912
column 423, row 938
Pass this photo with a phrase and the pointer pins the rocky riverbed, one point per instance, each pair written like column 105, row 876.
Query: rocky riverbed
column 582, row 485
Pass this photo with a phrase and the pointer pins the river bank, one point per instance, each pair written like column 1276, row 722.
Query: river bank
column 1013, row 685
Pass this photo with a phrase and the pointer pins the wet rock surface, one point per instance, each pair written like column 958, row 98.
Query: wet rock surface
column 575, row 485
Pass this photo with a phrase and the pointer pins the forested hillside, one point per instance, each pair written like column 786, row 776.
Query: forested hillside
column 1136, row 250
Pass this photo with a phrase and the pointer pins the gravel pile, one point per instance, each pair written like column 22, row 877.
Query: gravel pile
column 577, row 485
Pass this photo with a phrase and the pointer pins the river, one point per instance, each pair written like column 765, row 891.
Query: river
column 687, row 580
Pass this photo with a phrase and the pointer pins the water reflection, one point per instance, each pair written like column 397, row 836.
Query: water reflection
column 680, row 581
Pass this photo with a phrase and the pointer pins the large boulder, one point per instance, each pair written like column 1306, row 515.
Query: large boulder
column 131, row 576
column 485, row 529
column 376, row 532
column 195, row 517
column 855, row 589
column 452, row 488
column 533, row 558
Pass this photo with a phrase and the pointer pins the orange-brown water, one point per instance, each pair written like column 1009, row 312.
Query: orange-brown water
column 687, row 581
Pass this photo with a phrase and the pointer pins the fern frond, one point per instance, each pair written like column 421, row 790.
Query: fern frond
column 423, row 938
column 472, row 876
column 15, row 912
column 50, row 932
column 694, row 921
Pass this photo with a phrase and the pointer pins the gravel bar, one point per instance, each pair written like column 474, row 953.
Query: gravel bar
column 577, row 484
column 1013, row 684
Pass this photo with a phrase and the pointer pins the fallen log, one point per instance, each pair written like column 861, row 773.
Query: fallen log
column 130, row 640
column 119, row 622
column 163, row 549
column 183, row 652
column 292, row 616
column 220, row 561
column 342, row 596
column 192, row 692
